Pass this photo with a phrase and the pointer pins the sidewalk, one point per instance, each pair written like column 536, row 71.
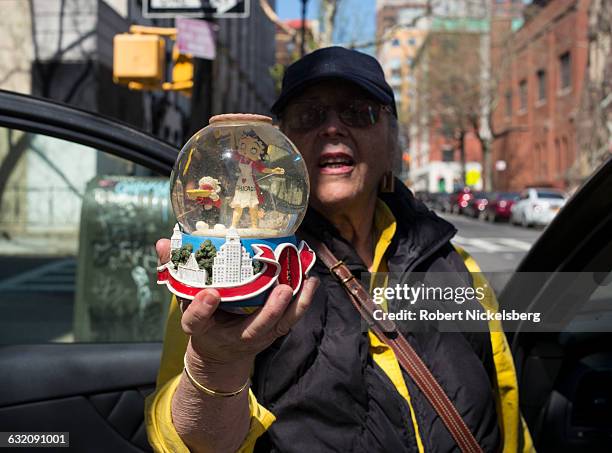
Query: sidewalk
column 39, row 246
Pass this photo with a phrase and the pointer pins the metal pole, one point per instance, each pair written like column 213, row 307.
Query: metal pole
column 303, row 40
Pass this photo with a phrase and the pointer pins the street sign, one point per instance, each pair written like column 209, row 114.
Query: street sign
column 196, row 37
column 166, row 9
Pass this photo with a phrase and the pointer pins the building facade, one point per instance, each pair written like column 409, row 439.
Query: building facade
column 539, row 95
column 232, row 264
column 594, row 123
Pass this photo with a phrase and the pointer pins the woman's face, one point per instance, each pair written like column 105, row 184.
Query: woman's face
column 345, row 163
column 250, row 148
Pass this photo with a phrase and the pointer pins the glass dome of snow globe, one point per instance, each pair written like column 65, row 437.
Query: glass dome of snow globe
column 239, row 172
column 239, row 190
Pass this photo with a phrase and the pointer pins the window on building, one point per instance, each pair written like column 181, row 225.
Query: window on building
column 509, row 103
column 395, row 42
column 448, row 155
column 565, row 151
column 538, row 162
column 523, row 94
column 396, row 72
column 559, row 159
column 411, row 41
column 541, row 75
column 565, row 70
column 543, row 161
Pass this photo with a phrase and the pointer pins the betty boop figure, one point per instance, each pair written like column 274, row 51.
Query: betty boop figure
column 252, row 151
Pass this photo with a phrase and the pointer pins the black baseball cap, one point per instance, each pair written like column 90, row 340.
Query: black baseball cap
column 335, row 63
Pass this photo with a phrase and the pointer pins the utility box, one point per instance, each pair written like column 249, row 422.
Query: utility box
column 140, row 58
column 117, row 295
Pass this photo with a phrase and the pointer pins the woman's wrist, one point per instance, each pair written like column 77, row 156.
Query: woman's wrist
column 221, row 377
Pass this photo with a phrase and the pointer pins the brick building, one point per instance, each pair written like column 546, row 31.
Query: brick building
column 539, row 95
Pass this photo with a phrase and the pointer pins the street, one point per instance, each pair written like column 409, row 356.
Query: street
column 496, row 247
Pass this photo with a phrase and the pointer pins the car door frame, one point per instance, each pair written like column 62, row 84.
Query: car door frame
column 37, row 115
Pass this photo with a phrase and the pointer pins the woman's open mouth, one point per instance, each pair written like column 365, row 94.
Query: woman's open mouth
column 336, row 163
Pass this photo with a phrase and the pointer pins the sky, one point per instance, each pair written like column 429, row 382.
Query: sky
column 292, row 9
column 355, row 20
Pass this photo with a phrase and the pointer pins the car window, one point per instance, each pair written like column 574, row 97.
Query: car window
column 548, row 194
column 77, row 234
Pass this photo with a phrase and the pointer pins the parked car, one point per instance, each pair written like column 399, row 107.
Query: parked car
column 95, row 390
column 500, row 205
column 459, row 200
column 537, row 206
column 477, row 205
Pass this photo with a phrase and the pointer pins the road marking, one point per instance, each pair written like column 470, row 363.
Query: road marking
column 521, row 245
column 55, row 277
column 492, row 245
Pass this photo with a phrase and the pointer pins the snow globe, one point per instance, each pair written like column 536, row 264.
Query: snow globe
column 239, row 190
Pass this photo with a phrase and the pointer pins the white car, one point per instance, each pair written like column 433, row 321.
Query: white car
column 537, row 206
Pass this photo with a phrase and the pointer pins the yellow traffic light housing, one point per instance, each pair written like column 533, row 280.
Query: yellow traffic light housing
column 139, row 58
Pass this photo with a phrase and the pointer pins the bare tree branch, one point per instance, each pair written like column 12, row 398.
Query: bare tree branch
column 270, row 14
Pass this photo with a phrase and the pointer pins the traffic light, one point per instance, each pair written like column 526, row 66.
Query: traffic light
column 139, row 58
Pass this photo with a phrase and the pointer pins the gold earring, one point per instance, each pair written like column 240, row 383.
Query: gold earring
column 387, row 184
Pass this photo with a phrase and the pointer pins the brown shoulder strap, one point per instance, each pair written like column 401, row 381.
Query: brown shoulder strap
column 387, row 332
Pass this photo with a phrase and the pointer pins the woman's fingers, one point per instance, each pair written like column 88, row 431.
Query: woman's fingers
column 264, row 320
column 297, row 309
column 162, row 247
column 197, row 317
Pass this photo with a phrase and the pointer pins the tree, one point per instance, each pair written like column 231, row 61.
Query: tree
column 459, row 69
column 448, row 87
column 205, row 258
column 180, row 256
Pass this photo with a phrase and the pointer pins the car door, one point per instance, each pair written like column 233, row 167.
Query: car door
column 83, row 199
column 565, row 372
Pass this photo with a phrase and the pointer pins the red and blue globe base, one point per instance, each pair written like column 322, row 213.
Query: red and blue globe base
column 284, row 262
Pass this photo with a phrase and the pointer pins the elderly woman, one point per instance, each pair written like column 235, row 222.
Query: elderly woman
column 302, row 375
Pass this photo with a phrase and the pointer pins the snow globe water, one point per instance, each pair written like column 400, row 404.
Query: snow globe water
column 239, row 190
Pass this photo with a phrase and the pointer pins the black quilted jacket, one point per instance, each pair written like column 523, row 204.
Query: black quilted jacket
column 320, row 380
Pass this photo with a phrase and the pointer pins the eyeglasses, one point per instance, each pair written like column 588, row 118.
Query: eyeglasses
column 305, row 116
